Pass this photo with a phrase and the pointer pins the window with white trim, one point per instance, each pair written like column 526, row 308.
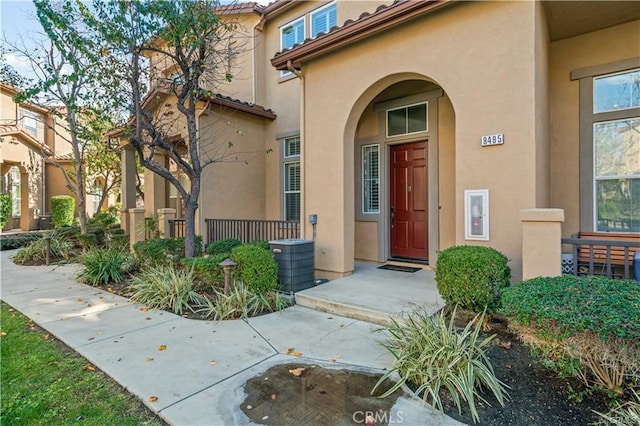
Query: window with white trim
column 610, row 141
column 291, row 172
column 407, row 119
column 291, row 34
column 371, row 179
column 29, row 121
column 323, row 19
column 15, row 191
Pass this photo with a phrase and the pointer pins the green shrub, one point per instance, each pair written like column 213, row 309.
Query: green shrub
column 120, row 242
column 62, row 210
column 164, row 287
column 5, row 209
column 260, row 243
column 104, row 266
column 472, row 276
column 16, row 241
column 222, row 246
column 161, row 250
column 206, row 269
column 36, row 251
column 256, row 267
column 242, row 303
column 434, row 356
column 565, row 305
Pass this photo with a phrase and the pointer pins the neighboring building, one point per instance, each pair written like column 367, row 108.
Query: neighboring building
column 29, row 134
column 412, row 126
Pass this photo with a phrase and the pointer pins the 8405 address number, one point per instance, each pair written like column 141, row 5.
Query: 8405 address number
column 492, row 140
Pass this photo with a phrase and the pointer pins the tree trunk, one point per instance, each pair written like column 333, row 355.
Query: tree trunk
column 190, row 229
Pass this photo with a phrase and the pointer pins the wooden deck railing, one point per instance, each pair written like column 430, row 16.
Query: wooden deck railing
column 247, row 230
column 176, row 228
column 611, row 258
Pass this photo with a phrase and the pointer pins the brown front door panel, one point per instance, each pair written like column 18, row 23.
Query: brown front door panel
column 409, row 207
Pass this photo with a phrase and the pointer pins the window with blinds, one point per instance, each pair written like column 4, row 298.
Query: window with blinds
column 16, row 192
column 291, row 34
column 291, row 170
column 323, row 19
column 371, row 179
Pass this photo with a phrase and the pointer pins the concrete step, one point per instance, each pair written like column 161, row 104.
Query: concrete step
column 347, row 310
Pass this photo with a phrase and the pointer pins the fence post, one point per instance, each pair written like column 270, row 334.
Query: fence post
column 164, row 215
column 541, row 242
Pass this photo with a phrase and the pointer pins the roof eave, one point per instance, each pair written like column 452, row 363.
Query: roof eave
column 356, row 30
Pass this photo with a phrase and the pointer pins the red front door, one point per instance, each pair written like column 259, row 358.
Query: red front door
column 409, row 219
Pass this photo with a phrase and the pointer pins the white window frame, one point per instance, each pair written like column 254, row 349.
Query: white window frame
column 289, row 160
column 406, row 107
column 24, row 116
column 364, row 180
column 313, row 33
column 16, row 189
column 302, row 19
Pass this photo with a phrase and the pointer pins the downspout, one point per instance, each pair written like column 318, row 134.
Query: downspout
column 303, row 174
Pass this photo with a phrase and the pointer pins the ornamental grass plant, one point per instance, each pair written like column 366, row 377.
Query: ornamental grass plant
column 241, row 302
column 433, row 355
column 102, row 266
column 168, row 288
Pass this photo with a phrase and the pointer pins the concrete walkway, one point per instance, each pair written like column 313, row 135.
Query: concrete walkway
column 199, row 378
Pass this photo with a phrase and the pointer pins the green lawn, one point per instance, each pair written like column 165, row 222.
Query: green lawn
column 45, row 383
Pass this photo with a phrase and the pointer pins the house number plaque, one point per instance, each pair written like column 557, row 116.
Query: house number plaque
column 492, row 140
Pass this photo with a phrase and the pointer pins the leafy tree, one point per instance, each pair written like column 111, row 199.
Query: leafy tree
column 188, row 35
column 63, row 69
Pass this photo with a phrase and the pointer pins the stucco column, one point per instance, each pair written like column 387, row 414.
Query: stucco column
column 164, row 215
column 25, row 212
column 136, row 222
column 128, row 186
column 541, row 245
column 155, row 188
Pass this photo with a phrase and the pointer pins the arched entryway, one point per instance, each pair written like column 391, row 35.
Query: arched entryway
column 403, row 138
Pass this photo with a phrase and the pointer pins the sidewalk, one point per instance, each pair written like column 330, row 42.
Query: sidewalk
column 199, row 378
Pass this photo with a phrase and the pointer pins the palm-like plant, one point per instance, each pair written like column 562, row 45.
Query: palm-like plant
column 432, row 354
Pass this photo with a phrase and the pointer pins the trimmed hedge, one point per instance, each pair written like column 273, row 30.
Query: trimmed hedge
column 5, row 209
column 472, row 277
column 62, row 210
column 256, row 267
column 566, row 305
column 222, row 246
column 161, row 250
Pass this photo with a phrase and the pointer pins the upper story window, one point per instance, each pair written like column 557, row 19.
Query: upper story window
column 29, row 121
column 616, row 91
column 323, row 19
column 407, row 119
column 291, row 34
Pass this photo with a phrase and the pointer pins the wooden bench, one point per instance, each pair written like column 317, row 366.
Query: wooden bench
column 596, row 254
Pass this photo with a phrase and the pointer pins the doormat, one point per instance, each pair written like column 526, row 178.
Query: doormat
column 399, row 268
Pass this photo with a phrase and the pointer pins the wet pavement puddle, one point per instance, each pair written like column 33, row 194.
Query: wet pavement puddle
column 306, row 394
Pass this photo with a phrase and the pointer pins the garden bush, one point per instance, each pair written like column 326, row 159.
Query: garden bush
column 593, row 321
column 161, row 250
column 206, row 269
column 16, row 241
column 101, row 267
column 565, row 305
column 222, row 246
column 62, row 210
column 471, row 277
column 433, row 355
column 5, row 209
column 242, row 303
column 36, row 251
column 164, row 287
column 256, row 267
